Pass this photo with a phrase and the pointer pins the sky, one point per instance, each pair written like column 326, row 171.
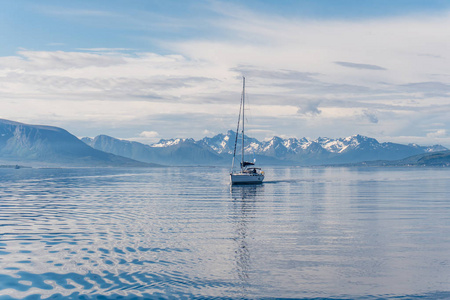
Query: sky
column 146, row 70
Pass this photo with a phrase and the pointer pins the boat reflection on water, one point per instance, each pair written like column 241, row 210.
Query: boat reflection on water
column 245, row 199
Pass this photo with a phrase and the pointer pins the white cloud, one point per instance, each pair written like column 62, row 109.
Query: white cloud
column 146, row 137
column 207, row 132
column 358, row 71
column 439, row 133
column 149, row 134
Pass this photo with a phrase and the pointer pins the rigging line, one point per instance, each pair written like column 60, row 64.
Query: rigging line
column 248, row 116
column 248, row 113
column 243, row 120
column 237, row 134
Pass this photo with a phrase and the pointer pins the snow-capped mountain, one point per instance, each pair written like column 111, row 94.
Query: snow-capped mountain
column 171, row 142
column 320, row 151
column 224, row 143
column 44, row 144
column 434, row 148
column 167, row 152
column 218, row 150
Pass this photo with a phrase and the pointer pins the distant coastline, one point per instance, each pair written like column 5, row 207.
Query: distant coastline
column 14, row 167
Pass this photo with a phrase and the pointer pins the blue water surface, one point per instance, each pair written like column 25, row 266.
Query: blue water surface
column 336, row 233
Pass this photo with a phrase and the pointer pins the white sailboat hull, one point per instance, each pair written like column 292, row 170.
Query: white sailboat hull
column 243, row 178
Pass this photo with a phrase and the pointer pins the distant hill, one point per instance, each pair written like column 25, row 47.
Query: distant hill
column 46, row 145
column 218, row 150
column 433, row 159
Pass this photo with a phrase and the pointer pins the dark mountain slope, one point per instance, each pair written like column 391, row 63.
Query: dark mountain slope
column 52, row 145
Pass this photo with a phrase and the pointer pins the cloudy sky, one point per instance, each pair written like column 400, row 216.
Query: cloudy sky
column 144, row 70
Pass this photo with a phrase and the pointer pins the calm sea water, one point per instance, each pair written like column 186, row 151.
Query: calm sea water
column 185, row 233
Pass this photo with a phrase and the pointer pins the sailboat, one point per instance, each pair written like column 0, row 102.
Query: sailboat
column 248, row 173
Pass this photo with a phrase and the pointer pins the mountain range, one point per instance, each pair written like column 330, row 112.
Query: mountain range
column 218, row 150
column 53, row 146
column 167, row 152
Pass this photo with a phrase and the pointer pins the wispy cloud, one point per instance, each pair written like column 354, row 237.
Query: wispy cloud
column 430, row 55
column 359, row 66
column 284, row 74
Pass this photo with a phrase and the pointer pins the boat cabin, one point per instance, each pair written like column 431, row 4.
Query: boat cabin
column 252, row 170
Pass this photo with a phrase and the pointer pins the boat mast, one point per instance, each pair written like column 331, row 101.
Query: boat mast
column 243, row 118
column 237, row 135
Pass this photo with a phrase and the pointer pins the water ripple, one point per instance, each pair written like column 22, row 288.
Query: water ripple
column 314, row 233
